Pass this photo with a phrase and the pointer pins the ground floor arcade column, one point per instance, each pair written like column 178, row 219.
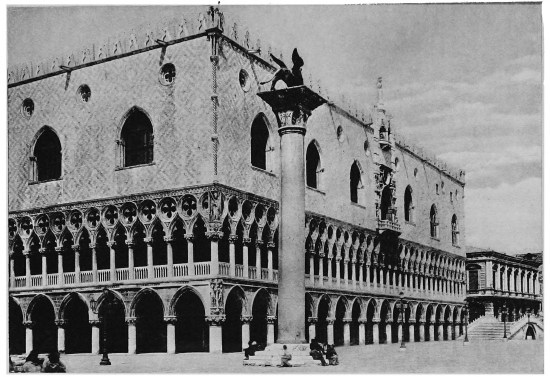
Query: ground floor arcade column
column 28, row 336
column 170, row 334
column 95, row 336
column 292, row 107
column 215, row 332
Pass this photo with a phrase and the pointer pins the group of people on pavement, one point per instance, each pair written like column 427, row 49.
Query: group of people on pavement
column 318, row 352
column 34, row 364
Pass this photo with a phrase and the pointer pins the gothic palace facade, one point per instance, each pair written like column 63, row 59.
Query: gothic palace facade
column 143, row 194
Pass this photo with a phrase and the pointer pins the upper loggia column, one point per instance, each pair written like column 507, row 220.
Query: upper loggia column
column 292, row 107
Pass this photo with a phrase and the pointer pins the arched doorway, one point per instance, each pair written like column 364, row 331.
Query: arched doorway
column 78, row 332
column 112, row 316
column 354, row 325
column 191, row 328
column 339, row 322
column 150, row 327
column 232, row 328
column 322, row 314
column 258, row 326
column 17, row 330
column 44, row 331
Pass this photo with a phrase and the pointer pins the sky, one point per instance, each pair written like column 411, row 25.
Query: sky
column 463, row 81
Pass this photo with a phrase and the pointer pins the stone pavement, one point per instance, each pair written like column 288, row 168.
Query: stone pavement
column 428, row 357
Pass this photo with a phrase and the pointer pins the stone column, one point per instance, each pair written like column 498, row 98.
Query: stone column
column 112, row 260
column 489, row 274
column 150, row 267
column 28, row 336
column 259, row 243
column 312, row 321
column 347, row 332
column 132, row 346
column 94, row 262
column 330, row 330
column 456, row 331
column 44, row 266
column 367, row 275
column 505, row 279
column 245, row 330
column 400, row 333
column 215, row 332
column 421, row 331
column 388, row 272
column 131, row 272
column 361, row 267
column 449, row 331
column 190, row 257
column 292, row 107
column 346, row 274
column 362, row 331
column 169, row 256
column 321, row 272
column 311, row 271
column 12, row 271
column 76, row 250
column 59, row 251
column 388, row 332
column 338, row 277
column 60, row 335
column 95, row 336
column 246, row 242
column 411, row 332
column 270, row 247
column 170, row 334
column 232, row 240
column 214, row 253
column 375, row 332
column 431, row 331
column 329, row 271
column 353, row 273
column 27, row 269
column 271, row 329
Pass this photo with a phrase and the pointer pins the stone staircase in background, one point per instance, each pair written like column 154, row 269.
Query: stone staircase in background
column 488, row 328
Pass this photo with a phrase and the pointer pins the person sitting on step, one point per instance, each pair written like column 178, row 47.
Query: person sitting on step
column 332, row 356
column 251, row 350
column 316, row 351
column 286, row 357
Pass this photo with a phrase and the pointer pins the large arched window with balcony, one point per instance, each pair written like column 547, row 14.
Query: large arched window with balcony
column 137, row 139
column 454, row 230
column 313, row 166
column 434, row 223
column 385, row 204
column 259, row 143
column 46, row 156
column 355, row 184
column 408, row 210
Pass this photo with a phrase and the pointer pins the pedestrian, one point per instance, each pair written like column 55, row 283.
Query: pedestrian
column 286, row 357
column 250, row 350
column 332, row 356
column 53, row 364
column 316, row 351
column 32, row 363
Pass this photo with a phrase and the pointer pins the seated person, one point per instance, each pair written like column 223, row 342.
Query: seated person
column 286, row 357
column 332, row 356
column 251, row 350
column 316, row 351
column 32, row 364
column 53, row 364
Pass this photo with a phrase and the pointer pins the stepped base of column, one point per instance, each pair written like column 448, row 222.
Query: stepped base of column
column 271, row 356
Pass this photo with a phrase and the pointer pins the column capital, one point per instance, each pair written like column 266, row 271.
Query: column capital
column 130, row 243
column 362, row 321
column 271, row 245
column 131, row 321
column 271, row 319
column 92, row 245
column 94, row 322
column 43, row 251
column 168, row 239
column 214, row 236
column 247, row 240
column 259, row 242
column 375, row 321
column 246, row 319
column 346, row 320
column 312, row 320
column 60, row 323
column 59, row 250
column 76, row 248
column 170, row 320
column 111, row 244
column 330, row 321
column 148, row 240
column 189, row 237
column 215, row 320
column 321, row 255
column 233, row 238
column 28, row 324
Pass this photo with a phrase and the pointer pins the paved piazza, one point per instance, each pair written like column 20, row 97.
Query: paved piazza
column 428, row 357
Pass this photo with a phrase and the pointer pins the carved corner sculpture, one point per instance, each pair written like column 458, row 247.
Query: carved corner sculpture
column 291, row 77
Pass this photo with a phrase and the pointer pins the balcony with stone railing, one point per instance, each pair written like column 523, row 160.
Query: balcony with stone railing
column 504, row 294
column 388, row 225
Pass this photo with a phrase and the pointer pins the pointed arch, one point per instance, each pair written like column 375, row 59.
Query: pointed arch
column 356, row 183
column 454, row 230
column 179, row 293
column 46, row 155
column 136, row 138
column 313, row 165
column 408, row 203
column 434, row 222
column 66, row 300
column 260, row 143
column 140, row 295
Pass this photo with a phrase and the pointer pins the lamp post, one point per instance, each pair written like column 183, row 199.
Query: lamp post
column 402, row 307
column 107, row 297
column 466, row 341
column 504, row 318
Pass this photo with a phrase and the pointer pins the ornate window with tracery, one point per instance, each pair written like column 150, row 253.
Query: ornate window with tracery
column 46, row 159
column 313, row 166
column 259, row 143
column 454, row 230
column 434, row 223
column 137, row 139
column 408, row 205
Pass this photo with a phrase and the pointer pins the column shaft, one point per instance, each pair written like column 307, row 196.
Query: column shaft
column 60, row 265
column 311, row 269
column 245, row 259
column 132, row 346
column 60, row 339
column 95, row 339
column 27, row 271
column 28, row 340
column 245, row 333
column 330, row 333
column 362, row 333
column 215, row 343
column 388, row 333
column 258, row 261
column 169, row 257
column 214, row 257
column 376, row 333
column 231, row 257
column 270, row 262
column 270, row 332
column 131, row 272
column 170, row 338
column 44, row 270
column 150, row 268
column 347, row 334
column 411, row 332
column 94, row 263
column 190, row 257
column 112, row 261
column 321, row 272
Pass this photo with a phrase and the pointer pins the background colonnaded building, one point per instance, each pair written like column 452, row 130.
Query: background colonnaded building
column 148, row 165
